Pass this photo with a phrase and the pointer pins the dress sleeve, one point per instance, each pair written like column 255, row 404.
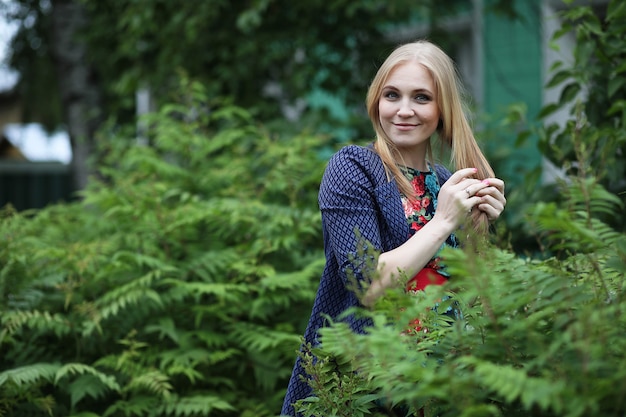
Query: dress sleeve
column 347, row 201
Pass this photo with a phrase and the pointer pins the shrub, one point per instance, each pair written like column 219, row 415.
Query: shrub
column 178, row 285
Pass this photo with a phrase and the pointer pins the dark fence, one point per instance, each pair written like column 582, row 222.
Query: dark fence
column 27, row 185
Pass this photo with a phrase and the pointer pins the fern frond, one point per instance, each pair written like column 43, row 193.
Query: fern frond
column 40, row 320
column 86, row 386
column 142, row 260
column 131, row 294
column 211, row 339
column 589, row 195
column 258, row 337
column 30, row 374
column 218, row 356
column 187, row 357
column 70, row 369
column 192, row 375
column 293, row 280
column 135, row 406
column 225, row 292
column 280, row 291
column 45, row 404
column 200, row 405
column 212, row 264
column 154, row 382
column 513, row 384
column 165, row 328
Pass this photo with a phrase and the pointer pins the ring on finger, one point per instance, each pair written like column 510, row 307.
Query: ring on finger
column 468, row 192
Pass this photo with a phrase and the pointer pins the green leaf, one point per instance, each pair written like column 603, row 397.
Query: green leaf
column 29, row 374
column 86, row 386
column 547, row 110
column 559, row 78
column 569, row 93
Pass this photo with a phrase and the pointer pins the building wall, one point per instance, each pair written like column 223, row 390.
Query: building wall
column 512, row 73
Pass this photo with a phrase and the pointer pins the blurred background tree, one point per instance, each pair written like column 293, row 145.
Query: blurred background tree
column 305, row 63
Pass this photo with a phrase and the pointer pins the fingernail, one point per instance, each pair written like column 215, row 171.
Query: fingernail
column 475, row 169
column 486, row 182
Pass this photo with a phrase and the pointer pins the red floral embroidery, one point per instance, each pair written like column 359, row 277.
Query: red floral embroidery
column 418, row 185
column 416, row 226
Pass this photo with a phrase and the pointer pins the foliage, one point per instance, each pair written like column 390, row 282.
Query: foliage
column 181, row 282
column 274, row 56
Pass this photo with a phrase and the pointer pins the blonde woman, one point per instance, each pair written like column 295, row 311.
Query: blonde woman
column 395, row 195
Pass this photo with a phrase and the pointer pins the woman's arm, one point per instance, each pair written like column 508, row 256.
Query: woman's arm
column 453, row 206
column 347, row 201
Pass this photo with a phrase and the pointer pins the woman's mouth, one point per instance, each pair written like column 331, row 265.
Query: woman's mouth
column 404, row 126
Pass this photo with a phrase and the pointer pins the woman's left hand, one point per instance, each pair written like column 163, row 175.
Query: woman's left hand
column 492, row 198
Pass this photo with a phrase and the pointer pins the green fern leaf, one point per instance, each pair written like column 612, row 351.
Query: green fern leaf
column 85, row 385
column 142, row 260
column 194, row 405
column 513, row 384
column 154, row 382
column 212, row 264
column 131, row 294
column 40, row 320
column 29, row 374
column 258, row 337
column 69, row 369
column 135, row 406
column 184, row 357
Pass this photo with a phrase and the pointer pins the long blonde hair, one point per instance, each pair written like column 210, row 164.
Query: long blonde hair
column 454, row 130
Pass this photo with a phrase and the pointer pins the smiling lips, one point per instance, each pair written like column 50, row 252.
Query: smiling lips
column 405, row 126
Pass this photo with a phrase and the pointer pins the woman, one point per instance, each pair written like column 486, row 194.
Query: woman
column 394, row 195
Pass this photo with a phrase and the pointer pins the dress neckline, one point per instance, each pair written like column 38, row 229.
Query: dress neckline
column 416, row 172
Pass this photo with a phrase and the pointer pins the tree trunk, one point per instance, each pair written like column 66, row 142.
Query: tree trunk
column 80, row 94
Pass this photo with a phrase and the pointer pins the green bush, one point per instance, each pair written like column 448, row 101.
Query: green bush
column 181, row 282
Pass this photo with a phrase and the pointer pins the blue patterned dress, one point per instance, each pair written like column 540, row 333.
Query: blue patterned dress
column 355, row 196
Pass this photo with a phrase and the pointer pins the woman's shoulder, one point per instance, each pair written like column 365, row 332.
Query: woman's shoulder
column 357, row 163
column 356, row 150
column 356, row 155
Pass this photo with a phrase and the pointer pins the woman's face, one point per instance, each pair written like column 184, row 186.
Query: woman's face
column 408, row 111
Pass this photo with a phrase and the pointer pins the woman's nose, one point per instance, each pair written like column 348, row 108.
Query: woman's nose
column 405, row 109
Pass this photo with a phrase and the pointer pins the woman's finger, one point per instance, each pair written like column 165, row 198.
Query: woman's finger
column 493, row 192
column 460, row 175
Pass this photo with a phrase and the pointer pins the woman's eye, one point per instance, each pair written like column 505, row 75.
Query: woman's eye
column 422, row 97
column 390, row 94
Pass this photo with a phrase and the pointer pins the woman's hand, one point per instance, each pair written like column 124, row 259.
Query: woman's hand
column 492, row 200
column 461, row 193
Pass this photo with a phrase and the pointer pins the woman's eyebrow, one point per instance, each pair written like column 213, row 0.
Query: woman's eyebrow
column 417, row 90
